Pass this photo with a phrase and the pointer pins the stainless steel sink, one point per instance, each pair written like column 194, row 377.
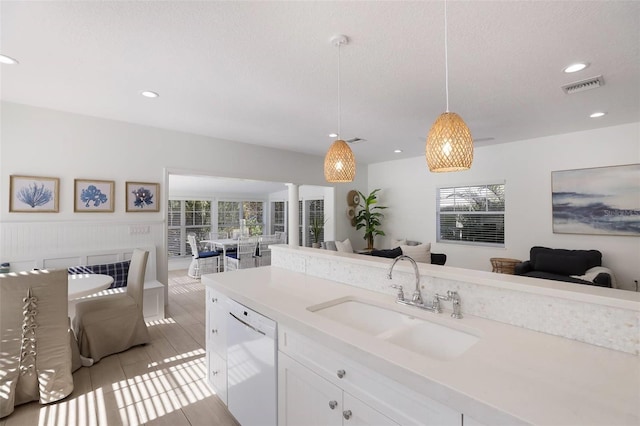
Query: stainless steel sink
column 414, row 334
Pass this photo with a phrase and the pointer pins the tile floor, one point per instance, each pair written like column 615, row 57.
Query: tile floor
column 162, row 383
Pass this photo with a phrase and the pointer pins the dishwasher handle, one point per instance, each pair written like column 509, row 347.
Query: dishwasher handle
column 247, row 324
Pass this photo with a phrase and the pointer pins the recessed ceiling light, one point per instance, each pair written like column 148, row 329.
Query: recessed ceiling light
column 598, row 114
column 149, row 94
column 4, row 59
column 397, row 151
column 333, row 135
column 576, row 67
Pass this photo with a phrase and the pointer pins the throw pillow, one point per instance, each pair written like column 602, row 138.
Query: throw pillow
column 397, row 243
column 420, row 253
column 344, row 246
column 118, row 270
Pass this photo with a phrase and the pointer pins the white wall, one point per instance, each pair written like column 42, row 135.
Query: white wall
column 409, row 190
column 43, row 142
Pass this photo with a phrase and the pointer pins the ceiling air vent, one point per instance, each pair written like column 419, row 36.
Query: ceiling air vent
column 355, row 140
column 582, row 85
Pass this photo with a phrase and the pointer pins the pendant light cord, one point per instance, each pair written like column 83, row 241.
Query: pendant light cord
column 446, row 56
column 339, row 99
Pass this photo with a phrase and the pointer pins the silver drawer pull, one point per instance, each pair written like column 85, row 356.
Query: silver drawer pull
column 214, row 330
column 214, row 373
column 341, row 373
column 333, row 404
column 346, row 414
column 214, row 299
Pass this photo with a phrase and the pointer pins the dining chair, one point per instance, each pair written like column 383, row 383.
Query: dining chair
column 202, row 262
column 113, row 324
column 35, row 350
column 263, row 253
column 245, row 256
column 282, row 237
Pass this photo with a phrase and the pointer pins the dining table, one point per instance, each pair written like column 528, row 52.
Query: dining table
column 224, row 244
column 81, row 285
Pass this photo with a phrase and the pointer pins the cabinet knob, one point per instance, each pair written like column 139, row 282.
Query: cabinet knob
column 333, row 404
column 214, row 373
column 346, row 414
column 341, row 373
column 214, row 330
column 214, row 299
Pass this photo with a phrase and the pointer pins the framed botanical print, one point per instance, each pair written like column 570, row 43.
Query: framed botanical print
column 92, row 195
column 34, row 194
column 143, row 197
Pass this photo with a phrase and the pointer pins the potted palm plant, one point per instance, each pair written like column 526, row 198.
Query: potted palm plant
column 369, row 216
column 316, row 227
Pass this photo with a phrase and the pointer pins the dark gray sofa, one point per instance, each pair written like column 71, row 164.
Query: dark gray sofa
column 564, row 265
column 436, row 258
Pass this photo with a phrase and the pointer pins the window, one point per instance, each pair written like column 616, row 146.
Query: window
column 187, row 217
column 233, row 215
column 315, row 212
column 472, row 214
column 278, row 218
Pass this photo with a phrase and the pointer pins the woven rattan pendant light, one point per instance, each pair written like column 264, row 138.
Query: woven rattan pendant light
column 339, row 163
column 449, row 143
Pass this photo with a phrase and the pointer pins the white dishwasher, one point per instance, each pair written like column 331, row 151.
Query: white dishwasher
column 252, row 374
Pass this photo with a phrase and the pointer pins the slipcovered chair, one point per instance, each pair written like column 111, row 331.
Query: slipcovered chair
column 113, row 324
column 245, row 256
column 35, row 354
column 203, row 262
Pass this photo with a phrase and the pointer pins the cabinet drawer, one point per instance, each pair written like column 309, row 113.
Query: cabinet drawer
column 391, row 398
column 217, row 375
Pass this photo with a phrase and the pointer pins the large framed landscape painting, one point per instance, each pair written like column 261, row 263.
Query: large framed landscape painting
column 602, row 200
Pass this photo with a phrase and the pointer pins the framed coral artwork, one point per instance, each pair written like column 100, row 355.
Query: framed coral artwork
column 33, row 194
column 94, row 196
column 143, row 197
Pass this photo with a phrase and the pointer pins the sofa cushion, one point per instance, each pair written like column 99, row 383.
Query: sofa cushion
column 561, row 264
column 592, row 257
column 556, row 277
column 420, row 253
column 390, row 253
column 344, row 246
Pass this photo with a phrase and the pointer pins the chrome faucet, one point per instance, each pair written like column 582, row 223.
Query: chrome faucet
column 417, row 295
column 416, row 299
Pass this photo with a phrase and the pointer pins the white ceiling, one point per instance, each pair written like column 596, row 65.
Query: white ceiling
column 265, row 72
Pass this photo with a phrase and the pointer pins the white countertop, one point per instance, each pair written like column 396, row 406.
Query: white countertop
column 511, row 374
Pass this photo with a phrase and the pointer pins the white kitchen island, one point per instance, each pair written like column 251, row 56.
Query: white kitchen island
column 512, row 375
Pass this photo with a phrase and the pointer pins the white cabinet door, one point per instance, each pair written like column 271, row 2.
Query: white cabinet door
column 304, row 398
column 217, row 375
column 216, row 342
column 217, row 323
column 357, row 413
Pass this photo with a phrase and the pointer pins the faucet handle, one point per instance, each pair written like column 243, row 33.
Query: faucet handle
column 400, row 291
